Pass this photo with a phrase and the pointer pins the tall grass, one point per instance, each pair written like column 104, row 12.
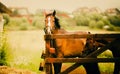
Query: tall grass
column 26, row 49
column 4, row 49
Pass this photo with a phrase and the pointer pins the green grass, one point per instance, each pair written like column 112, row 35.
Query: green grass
column 87, row 29
column 26, row 47
column 106, row 67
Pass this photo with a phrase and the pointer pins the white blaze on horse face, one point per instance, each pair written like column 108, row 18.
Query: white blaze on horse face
column 49, row 25
column 49, row 22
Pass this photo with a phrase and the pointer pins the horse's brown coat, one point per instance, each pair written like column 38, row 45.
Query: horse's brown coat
column 66, row 47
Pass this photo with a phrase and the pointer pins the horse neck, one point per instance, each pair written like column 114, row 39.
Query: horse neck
column 56, row 31
column 59, row 31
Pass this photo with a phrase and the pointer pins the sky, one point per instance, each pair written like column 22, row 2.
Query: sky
column 64, row 5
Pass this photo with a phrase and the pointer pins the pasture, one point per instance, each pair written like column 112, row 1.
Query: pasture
column 26, row 47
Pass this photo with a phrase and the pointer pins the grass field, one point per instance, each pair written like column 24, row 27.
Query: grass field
column 26, row 47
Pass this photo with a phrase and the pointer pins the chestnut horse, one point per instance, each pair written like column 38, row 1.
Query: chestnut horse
column 66, row 47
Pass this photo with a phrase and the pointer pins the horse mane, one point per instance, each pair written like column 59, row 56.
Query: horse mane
column 57, row 24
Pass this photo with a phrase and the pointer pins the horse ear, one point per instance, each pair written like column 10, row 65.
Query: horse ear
column 54, row 12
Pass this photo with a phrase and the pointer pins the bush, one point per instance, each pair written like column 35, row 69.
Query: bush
column 95, row 16
column 24, row 26
column 38, row 22
column 117, row 28
column 92, row 24
column 15, row 22
column 106, row 21
column 3, row 51
column 2, row 57
column 82, row 20
column 114, row 20
column 100, row 24
column 67, row 22
column 111, row 28
column 6, row 19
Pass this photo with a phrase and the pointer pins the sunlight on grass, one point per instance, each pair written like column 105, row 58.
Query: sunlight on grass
column 106, row 67
column 85, row 28
column 26, row 47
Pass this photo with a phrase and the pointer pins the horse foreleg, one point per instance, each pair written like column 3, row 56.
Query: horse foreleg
column 92, row 68
column 115, row 48
column 42, row 63
column 57, row 68
column 117, row 68
column 117, row 64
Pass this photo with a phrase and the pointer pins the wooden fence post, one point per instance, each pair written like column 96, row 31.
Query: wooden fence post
column 48, row 66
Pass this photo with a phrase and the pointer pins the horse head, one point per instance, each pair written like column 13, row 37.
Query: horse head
column 51, row 22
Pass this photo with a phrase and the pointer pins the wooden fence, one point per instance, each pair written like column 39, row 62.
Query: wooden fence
column 77, row 61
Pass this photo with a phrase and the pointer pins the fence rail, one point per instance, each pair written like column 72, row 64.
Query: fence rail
column 64, row 36
column 81, row 60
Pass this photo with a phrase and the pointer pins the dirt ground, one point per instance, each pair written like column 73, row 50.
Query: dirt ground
column 8, row 70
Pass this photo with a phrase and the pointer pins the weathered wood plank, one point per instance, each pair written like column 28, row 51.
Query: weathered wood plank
column 63, row 36
column 48, row 68
column 81, row 60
